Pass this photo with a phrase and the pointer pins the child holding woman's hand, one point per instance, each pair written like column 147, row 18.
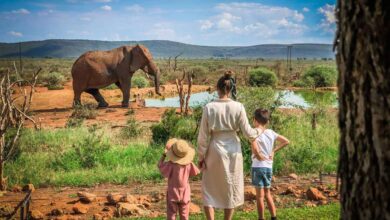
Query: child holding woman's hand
column 178, row 169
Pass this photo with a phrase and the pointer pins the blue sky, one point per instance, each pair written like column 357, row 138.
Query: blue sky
column 210, row 22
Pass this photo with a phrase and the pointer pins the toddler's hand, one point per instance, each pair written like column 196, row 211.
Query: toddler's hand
column 271, row 157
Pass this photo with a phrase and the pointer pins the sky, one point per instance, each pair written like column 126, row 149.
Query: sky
column 201, row 22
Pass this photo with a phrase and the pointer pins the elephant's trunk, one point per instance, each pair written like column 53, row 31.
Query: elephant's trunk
column 156, row 74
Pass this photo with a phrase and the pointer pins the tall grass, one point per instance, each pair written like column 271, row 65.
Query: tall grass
column 80, row 157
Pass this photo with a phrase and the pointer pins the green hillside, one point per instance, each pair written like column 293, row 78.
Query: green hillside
column 163, row 49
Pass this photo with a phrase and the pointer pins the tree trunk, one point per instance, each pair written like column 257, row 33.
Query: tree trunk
column 363, row 57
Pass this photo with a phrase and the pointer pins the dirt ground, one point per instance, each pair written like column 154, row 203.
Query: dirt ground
column 287, row 191
column 52, row 108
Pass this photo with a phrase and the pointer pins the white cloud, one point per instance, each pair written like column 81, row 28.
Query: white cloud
column 15, row 34
column 21, row 11
column 304, row 9
column 103, row 1
column 205, row 24
column 329, row 20
column 135, row 8
column 162, row 31
column 106, row 8
column 254, row 18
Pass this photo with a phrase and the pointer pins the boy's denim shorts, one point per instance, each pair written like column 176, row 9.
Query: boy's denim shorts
column 261, row 177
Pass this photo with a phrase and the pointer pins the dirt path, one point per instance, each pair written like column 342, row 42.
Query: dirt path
column 52, row 108
column 288, row 192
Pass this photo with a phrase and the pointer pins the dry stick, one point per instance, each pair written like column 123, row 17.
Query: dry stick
column 189, row 79
column 179, row 86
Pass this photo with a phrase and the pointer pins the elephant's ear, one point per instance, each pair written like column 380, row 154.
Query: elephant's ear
column 137, row 59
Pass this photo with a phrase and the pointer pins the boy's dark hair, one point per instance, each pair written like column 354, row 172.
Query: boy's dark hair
column 262, row 115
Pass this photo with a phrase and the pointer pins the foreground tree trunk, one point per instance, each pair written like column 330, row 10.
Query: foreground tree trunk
column 363, row 57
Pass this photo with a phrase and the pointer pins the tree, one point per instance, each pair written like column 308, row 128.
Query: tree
column 13, row 113
column 363, row 55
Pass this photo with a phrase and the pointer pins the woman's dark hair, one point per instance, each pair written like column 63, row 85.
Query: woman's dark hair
column 227, row 84
column 262, row 116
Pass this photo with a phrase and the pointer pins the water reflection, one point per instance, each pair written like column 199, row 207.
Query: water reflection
column 289, row 99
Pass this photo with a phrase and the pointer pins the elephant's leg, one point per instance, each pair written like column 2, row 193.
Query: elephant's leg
column 77, row 98
column 125, row 86
column 98, row 97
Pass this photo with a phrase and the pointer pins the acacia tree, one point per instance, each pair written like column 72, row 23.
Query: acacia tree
column 15, row 103
column 363, row 57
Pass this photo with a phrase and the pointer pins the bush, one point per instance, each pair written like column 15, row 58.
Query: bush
column 198, row 71
column 132, row 129
column 174, row 125
column 320, row 76
column 54, row 80
column 262, row 77
column 79, row 114
column 139, row 81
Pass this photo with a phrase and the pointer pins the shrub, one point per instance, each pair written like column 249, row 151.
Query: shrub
column 262, row 77
column 198, row 71
column 320, row 76
column 174, row 125
column 79, row 114
column 162, row 131
column 132, row 129
column 139, row 81
column 54, row 80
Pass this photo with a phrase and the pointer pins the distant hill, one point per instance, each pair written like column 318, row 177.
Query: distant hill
column 163, row 49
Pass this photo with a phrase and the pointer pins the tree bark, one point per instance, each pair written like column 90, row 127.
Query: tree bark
column 363, row 58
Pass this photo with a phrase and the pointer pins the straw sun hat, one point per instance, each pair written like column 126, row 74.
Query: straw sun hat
column 180, row 152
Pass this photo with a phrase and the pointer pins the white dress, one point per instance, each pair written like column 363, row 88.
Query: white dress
column 219, row 144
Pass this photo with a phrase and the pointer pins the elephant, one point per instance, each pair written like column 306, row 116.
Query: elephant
column 94, row 70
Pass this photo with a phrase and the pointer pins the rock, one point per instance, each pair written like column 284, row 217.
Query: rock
column 56, row 212
column 142, row 199
column 129, row 199
column 126, row 209
column 17, row 189
column 157, row 197
column 79, row 208
column 293, row 176
column 97, row 216
column 113, row 198
column 194, row 209
column 333, row 194
column 314, row 194
column 35, row 215
column 250, row 193
column 320, row 188
column 86, row 197
column 106, row 209
column 29, row 187
column 310, row 204
column 322, row 202
column 273, row 179
column 147, row 204
column 290, row 190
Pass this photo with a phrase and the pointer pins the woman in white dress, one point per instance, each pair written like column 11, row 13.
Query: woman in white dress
column 219, row 151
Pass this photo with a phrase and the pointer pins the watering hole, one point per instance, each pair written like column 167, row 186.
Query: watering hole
column 288, row 98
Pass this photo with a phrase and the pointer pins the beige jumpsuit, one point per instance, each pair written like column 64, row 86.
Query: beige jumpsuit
column 219, row 144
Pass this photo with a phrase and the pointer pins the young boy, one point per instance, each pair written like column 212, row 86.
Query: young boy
column 262, row 159
column 178, row 169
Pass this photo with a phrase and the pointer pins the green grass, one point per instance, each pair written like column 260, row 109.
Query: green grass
column 80, row 157
column 326, row 212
